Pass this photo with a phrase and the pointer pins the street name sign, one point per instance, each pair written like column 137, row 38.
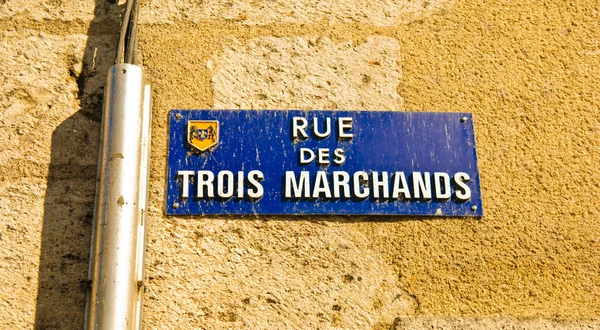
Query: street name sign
column 322, row 162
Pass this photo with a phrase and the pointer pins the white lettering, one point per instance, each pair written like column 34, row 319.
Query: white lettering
column 301, row 187
column 400, row 186
column 303, row 159
column 341, row 179
column 240, row 184
column 321, row 185
column 442, row 193
column 381, row 184
column 254, row 178
column 344, row 125
column 360, row 177
column 186, row 182
column 205, row 178
column 461, row 180
column 299, row 126
column 221, row 186
column 340, row 158
column 327, row 127
column 323, row 156
column 421, row 184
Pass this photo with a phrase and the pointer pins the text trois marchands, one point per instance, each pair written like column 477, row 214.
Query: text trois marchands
column 330, row 182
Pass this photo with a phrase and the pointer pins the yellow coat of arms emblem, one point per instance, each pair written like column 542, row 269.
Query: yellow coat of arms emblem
column 203, row 134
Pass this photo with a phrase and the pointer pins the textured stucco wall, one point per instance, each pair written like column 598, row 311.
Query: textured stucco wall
column 528, row 70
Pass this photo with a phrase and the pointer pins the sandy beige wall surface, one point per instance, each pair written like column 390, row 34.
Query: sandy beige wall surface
column 529, row 71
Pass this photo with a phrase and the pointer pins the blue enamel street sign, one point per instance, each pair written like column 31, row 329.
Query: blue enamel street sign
column 322, row 162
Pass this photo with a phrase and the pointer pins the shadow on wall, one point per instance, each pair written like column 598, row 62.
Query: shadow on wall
column 69, row 202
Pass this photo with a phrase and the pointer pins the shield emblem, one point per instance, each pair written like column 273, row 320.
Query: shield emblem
column 203, row 134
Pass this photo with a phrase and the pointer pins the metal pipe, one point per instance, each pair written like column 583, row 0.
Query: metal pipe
column 118, row 241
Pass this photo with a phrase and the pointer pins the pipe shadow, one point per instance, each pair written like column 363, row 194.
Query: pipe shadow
column 71, row 184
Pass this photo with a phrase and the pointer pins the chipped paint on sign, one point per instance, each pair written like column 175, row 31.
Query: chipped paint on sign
column 322, row 162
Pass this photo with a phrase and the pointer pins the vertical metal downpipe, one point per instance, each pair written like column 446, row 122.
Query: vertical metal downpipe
column 118, row 241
